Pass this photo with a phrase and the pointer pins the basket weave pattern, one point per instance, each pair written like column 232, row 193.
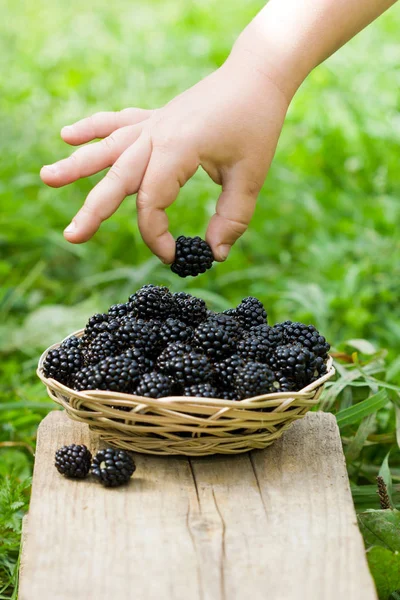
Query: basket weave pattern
column 183, row 425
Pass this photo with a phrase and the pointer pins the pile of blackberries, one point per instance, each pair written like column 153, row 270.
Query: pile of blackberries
column 161, row 344
column 111, row 467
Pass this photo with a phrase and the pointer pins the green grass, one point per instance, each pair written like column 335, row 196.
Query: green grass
column 323, row 246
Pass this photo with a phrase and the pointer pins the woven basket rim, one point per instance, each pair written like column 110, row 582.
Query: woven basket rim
column 218, row 402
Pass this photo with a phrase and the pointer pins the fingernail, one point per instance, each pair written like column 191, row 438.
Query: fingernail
column 51, row 168
column 71, row 228
column 66, row 129
column 223, row 251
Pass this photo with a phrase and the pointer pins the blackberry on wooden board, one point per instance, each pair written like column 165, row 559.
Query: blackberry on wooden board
column 255, row 379
column 153, row 302
column 191, row 310
column 154, row 385
column 184, row 364
column 192, row 256
column 62, row 363
column 73, row 461
column 217, row 336
column 251, row 312
column 306, row 335
column 112, row 467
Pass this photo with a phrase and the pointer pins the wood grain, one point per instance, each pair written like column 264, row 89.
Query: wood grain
column 277, row 524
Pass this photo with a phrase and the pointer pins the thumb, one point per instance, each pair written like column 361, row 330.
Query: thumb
column 235, row 208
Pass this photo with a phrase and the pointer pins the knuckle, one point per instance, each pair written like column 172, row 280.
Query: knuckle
column 236, row 226
column 115, row 174
column 164, row 142
column 91, row 124
column 91, row 210
column 109, row 143
column 142, row 200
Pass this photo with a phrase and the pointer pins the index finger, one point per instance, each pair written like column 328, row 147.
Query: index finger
column 164, row 177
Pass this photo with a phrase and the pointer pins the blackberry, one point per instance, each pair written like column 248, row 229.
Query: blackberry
column 251, row 312
column 61, row 364
column 113, row 467
column 254, row 348
column 272, row 336
column 184, row 365
column 306, row 335
column 201, row 390
column 116, row 373
column 225, row 394
column 154, row 385
column 71, row 342
column 116, row 311
column 226, row 371
column 103, row 346
column 73, row 461
column 96, row 324
column 144, row 363
column 254, row 379
column 193, row 256
column 153, row 302
column 297, row 365
column 230, row 312
column 140, row 334
column 217, row 336
column 173, row 330
column 191, row 310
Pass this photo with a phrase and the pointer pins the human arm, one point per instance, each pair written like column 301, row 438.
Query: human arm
column 229, row 123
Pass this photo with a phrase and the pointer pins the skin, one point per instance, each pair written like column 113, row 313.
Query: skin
column 229, row 123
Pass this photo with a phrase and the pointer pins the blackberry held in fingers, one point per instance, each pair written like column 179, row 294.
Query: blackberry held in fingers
column 73, row 461
column 192, row 256
column 113, row 467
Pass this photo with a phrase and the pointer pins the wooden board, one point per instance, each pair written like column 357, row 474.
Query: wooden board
column 276, row 524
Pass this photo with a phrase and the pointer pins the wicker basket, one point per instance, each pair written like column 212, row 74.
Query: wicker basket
column 183, row 425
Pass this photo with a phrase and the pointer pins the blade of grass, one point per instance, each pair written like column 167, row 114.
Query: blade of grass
column 356, row 413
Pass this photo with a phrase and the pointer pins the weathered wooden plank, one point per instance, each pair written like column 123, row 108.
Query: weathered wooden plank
column 276, row 524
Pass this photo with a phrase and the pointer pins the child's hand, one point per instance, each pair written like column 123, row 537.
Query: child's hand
column 229, row 123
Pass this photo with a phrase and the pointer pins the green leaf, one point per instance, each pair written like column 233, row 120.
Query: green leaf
column 366, row 427
column 356, row 413
column 397, row 412
column 385, row 569
column 381, row 528
column 385, row 473
column 363, row 346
